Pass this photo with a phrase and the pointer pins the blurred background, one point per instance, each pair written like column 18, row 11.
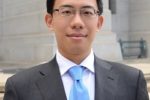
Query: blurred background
column 25, row 41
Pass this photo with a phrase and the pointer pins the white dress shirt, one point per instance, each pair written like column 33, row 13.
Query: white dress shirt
column 88, row 74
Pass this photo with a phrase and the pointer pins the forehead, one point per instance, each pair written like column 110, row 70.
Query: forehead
column 75, row 3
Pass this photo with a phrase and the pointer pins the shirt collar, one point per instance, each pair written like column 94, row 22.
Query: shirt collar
column 65, row 64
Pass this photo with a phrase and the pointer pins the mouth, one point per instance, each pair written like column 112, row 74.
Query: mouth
column 76, row 35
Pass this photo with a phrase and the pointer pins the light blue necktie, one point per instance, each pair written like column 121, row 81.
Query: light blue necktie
column 78, row 90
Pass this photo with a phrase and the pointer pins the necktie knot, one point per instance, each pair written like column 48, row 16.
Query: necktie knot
column 76, row 72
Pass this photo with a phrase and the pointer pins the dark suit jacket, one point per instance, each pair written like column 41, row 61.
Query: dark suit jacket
column 113, row 81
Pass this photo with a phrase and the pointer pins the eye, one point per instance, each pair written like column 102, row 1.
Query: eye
column 66, row 12
column 88, row 13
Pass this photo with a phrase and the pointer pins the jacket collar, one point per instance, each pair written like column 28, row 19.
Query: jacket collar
column 51, row 86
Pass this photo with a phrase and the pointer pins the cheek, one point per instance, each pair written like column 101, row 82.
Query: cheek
column 92, row 28
column 57, row 24
column 60, row 28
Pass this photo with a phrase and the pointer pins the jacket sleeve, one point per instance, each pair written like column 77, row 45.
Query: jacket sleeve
column 142, row 93
column 10, row 92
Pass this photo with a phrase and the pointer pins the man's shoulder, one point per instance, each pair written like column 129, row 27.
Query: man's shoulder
column 30, row 76
column 35, row 71
column 29, row 73
column 123, row 68
column 120, row 68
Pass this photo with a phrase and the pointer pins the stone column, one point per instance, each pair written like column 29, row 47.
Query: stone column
column 106, row 45
column 25, row 39
column 120, row 19
column 140, row 21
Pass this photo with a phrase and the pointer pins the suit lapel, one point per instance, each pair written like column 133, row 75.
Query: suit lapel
column 50, row 83
column 105, row 81
column 51, row 86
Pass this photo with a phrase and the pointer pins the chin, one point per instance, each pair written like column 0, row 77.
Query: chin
column 78, row 51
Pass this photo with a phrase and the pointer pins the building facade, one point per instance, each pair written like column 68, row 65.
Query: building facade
column 25, row 39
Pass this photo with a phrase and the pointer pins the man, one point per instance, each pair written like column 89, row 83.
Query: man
column 75, row 23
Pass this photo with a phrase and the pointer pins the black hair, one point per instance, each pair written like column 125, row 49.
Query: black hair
column 50, row 5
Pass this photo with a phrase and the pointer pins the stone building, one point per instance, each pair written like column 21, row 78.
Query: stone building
column 25, row 39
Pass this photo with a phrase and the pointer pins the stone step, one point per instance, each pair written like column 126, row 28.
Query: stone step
column 147, row 76
column 1, row 96
column 148, row 87
column 3, row 78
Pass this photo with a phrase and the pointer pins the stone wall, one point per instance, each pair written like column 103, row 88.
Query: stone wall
column 24, row 36
column 25, row 39
column 140, row 21
column 120, row 19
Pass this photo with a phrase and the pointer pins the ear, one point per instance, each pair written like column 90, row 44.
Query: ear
column 48, row 20
column 100, row 22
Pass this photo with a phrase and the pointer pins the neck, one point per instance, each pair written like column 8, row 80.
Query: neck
column 76, row 58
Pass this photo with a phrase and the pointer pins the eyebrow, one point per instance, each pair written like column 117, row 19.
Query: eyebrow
column 87, row 7
column 70, row 6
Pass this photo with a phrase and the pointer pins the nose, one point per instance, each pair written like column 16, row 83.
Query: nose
column 77, row 22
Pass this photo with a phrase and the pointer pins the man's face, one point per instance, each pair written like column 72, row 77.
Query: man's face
column 74, row 32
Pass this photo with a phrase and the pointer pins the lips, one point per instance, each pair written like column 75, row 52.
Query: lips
column 76, row 35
